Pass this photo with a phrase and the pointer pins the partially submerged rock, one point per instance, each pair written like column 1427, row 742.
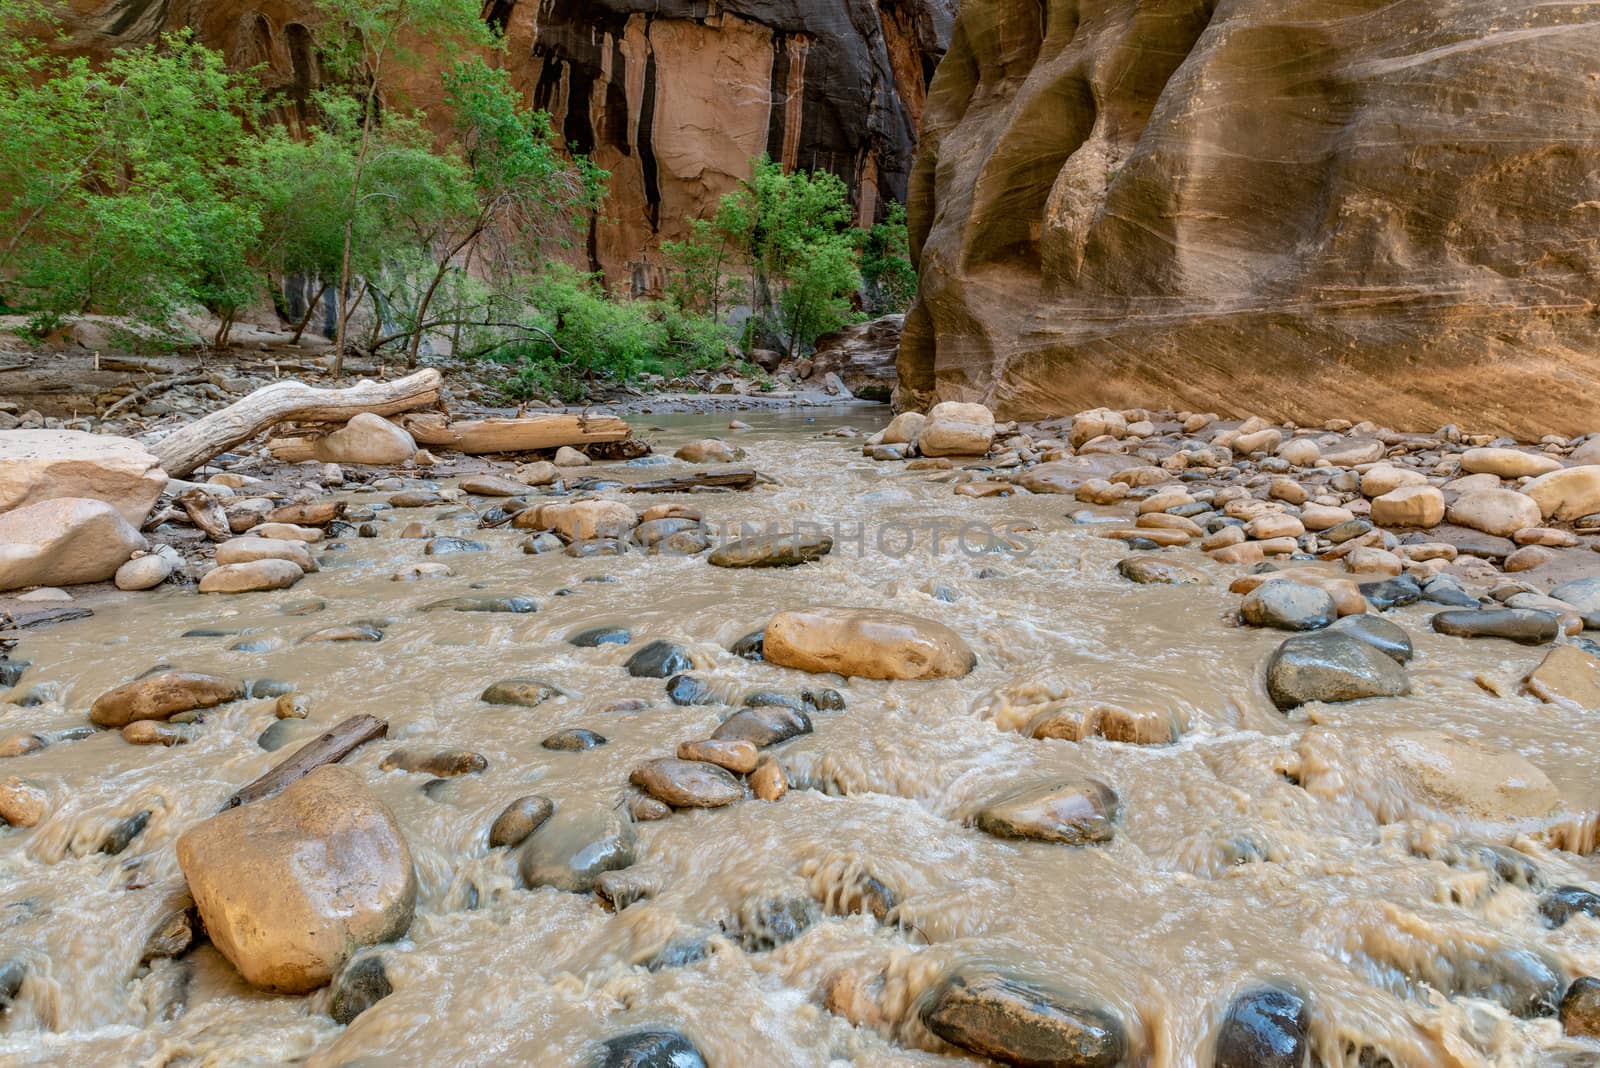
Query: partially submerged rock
column 291, row 885
column 161, row 696
column 867, row 643
column 1331, row 666
column 1021, row 1021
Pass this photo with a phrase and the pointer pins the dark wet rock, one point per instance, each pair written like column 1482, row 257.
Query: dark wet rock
column 687, row 783
column 763, row 726
column 1285, row 605
column 367, row 530
column 12, row 972
column 648, row 1049
column 519, row 819
column 658, row 660
column 598, row 636
column 619, row 889
column 1023, row 1022
column 655, row 532
column 573, row 740
column 528, row 693
column 691, row 690
column 823, row 700
column 444, row 763
column 1565, row 902
column 1350, row 528
column 348, row 632
column 452, row 546
column 1504, row 863
column 1485, row 545
column 679, row 953
column 1070, row 811
column 275, row 737
column 362, row 984
column 162, row 695
column 255, row 645
column 1582, row 594
column 257, row 689
column 1521, row 981
column 1264, row 1028
column 1383, row 635
column 1146, row 571
column 572, row 849
column 765, row 698
column 309, row 607
column 765, row 923
column 518, row 605
column 211, row 632
column 1580, row 1008
column 11, row 671
column 1525, row 626
column 1448, row 592
column 589, row 548
column 122, row 834
column 749, row 647
column 1392, row 593
column 1330, row 666
column 683, row 543
column 774, row 550
column 173, row 936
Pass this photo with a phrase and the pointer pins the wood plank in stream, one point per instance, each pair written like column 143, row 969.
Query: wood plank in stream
column 11, row 624
column 331, row 748
column 730, row 478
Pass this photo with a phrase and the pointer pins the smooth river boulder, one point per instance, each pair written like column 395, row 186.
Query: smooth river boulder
column 1022, row 1021
column 44, row 465
column 1569, row 494
column 367, row 438
column 1331, row 666
column 1070, row 811
column 63, row 542
column 290, row 886
column 866, row 643
column 162, row 696
column 252, row 577
column 1264, row 1028
column 957, row 429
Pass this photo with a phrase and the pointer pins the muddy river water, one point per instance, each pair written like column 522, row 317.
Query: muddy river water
column 1324, row 847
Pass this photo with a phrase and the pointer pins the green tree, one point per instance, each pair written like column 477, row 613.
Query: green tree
column 363, row 41
column 888, row 276
column 511, row 191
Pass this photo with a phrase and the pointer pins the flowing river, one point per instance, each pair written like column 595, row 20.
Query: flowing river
column 1336, row 848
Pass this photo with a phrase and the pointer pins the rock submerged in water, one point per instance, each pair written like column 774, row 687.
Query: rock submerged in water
column 162, row 696
column 1070, row 811
column 520, row 819
column 362, row 984
column 763, row 725
column 527, row 693
column 648, row 1049
column 773, row 550
column 866, row 643
column 1023, row 1021
column 1264, row 1028
column 1525, row 626
column 290, row 885
column 573, row 849
column 1330, row 666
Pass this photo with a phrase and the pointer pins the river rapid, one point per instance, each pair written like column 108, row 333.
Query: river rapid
column 1306, row 847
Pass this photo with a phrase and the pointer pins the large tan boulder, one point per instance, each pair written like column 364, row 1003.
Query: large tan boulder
column 1508, row 463
column 580, row 520
column 1469, row 776
column 64, row 541
column 1409, row 506
column 290, row 886
column 1499, row 512
column 1567, row 494
column 43, row 465
column 251, row 576
column 956, row 429
column 866, row 643
column 366, row 439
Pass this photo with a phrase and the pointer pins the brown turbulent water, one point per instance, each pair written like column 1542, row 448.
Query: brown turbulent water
column 1259, row 846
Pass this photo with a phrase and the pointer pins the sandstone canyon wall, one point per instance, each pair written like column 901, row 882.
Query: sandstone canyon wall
column 674, row 97
column 1304, row 208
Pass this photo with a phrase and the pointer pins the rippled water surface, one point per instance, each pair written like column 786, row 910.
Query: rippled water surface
column 1257, row 846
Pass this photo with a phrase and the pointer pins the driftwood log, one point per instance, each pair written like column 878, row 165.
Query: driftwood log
column 182, row 451
column 481, row 436
column 330, row 748
column 725, row 478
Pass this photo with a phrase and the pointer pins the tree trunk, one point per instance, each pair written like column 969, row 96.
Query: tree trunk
column 182, row 451
column 367, row 119
column 311, row 309
column 480, row 437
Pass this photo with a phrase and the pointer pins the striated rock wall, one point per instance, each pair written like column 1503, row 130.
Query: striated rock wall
column 674, row 97
column 1296, row 207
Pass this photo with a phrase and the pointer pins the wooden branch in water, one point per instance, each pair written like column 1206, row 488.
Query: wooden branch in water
column 482, row 436
column 182, row 451
column 331, row 748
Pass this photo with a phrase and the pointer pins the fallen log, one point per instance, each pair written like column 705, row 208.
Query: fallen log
column 182, row 451
column 331, row 748
column 726, row 478
column 533, row 434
